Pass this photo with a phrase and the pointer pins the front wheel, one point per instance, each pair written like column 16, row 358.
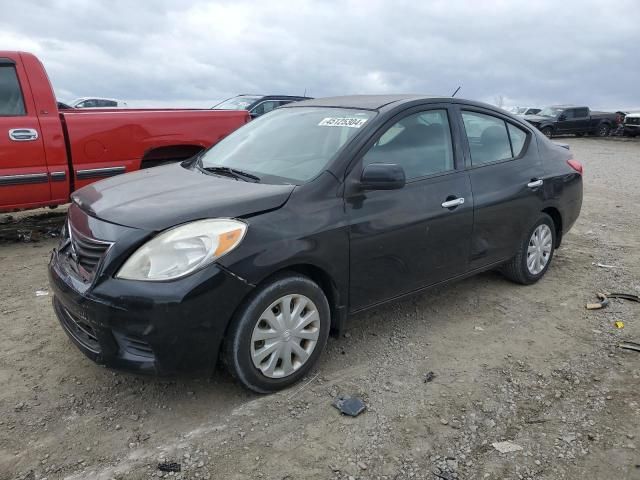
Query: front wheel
column 534, row 253
column 278, row 334
column 547, row 131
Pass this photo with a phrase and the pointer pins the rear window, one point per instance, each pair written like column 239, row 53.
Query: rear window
column 11, row 101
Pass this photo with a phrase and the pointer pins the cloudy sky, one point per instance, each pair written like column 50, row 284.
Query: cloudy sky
column 195, row 52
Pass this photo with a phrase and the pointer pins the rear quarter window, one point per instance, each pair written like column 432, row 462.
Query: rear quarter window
column 518, row 139
column 11, row 101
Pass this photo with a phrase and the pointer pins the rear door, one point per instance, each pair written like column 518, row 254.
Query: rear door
column 403, row 240
column 565, row 122
column 507, row 183
column 23, row 172
column 581, row 120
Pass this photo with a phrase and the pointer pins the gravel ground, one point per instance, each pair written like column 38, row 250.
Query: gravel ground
column 527, row 365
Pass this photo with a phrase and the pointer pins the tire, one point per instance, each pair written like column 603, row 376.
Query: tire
column 257, row 326
column 517, row 269
column 547, row 132
column 603, row 130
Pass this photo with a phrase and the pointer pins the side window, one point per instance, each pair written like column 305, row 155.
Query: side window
column 420, row 143
column 488, row 138
column 265, row 107
column 518, row 138
column 109, row 104
column 581, row 112
column 11, row 101
column 569, row 114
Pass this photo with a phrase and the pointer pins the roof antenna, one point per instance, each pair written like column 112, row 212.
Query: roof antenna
column 457, row 89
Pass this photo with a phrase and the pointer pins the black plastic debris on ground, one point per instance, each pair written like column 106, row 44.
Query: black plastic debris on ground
column 352, row 406
column 169, row 467
column 429, row 376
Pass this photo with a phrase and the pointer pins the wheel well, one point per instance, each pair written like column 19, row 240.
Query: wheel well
column 172, row 153
column 557, row 222
column 325, row 282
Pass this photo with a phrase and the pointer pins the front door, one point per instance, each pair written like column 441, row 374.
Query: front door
column 23, row 172
column 403, row 240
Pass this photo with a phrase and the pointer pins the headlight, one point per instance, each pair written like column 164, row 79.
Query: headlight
column 183, row 249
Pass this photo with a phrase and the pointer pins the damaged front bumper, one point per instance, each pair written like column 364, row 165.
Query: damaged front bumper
column 150, row 327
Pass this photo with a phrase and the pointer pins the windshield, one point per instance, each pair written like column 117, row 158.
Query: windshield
column 237, row 103
column 550, row 112
column 291, row 145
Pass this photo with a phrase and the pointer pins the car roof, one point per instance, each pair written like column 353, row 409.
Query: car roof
column 267, row 97
column 82, row 99
column 569, row 106
column 365, row 102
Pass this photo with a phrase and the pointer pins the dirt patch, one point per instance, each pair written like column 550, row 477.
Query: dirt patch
column 528, row 365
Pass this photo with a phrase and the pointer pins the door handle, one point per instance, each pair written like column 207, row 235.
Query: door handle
column 453, row 203
column 535, row 183
column 23, row 134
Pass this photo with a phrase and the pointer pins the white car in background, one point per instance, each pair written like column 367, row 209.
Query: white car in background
column 523, row 110
column 97, row 102
column 632, row 124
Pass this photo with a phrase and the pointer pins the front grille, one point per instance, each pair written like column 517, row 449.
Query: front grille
column 78, row 328
column 85, row 252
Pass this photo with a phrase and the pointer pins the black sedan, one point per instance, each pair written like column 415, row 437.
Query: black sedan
column 256, row 249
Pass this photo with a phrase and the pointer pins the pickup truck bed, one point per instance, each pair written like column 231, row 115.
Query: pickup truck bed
column 46, row 154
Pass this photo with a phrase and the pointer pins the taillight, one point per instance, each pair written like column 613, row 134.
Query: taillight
column 576, row 165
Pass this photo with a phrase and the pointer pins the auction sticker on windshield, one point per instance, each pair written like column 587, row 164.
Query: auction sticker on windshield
column 342, row 122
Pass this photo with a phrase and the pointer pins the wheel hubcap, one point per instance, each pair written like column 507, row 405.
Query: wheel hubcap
column 285, row 336
column 539, row 249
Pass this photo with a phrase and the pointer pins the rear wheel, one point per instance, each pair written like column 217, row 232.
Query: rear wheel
column 547, row 131
column 278, row 335
column 603, row 130
column 534, row 253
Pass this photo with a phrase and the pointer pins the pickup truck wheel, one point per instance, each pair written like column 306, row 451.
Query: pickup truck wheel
column 547, row 131
column 603, row 130
column 278, row 334
column 534, row 253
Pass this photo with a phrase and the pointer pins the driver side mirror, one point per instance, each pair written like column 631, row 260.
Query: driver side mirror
column 383, row 176
column 562, row 117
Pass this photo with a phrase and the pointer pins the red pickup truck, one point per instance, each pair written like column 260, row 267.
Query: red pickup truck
column 46, row 154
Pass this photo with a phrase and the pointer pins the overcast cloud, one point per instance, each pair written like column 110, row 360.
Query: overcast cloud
column 194, row 52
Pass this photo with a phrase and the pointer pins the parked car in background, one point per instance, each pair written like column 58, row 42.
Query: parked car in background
column 46, row 153
column 523, row 110
column 571, row 119
column 95, row 102
column 632, row 125
column 264, row 243
column 257, row 105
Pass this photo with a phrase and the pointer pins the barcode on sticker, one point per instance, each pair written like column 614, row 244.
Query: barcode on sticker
column 342, row 122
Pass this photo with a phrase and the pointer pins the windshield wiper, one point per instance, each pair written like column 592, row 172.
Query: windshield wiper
column 232, row 172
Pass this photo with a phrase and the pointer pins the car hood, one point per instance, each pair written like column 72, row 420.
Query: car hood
column 161, row 197
column 536, row 118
